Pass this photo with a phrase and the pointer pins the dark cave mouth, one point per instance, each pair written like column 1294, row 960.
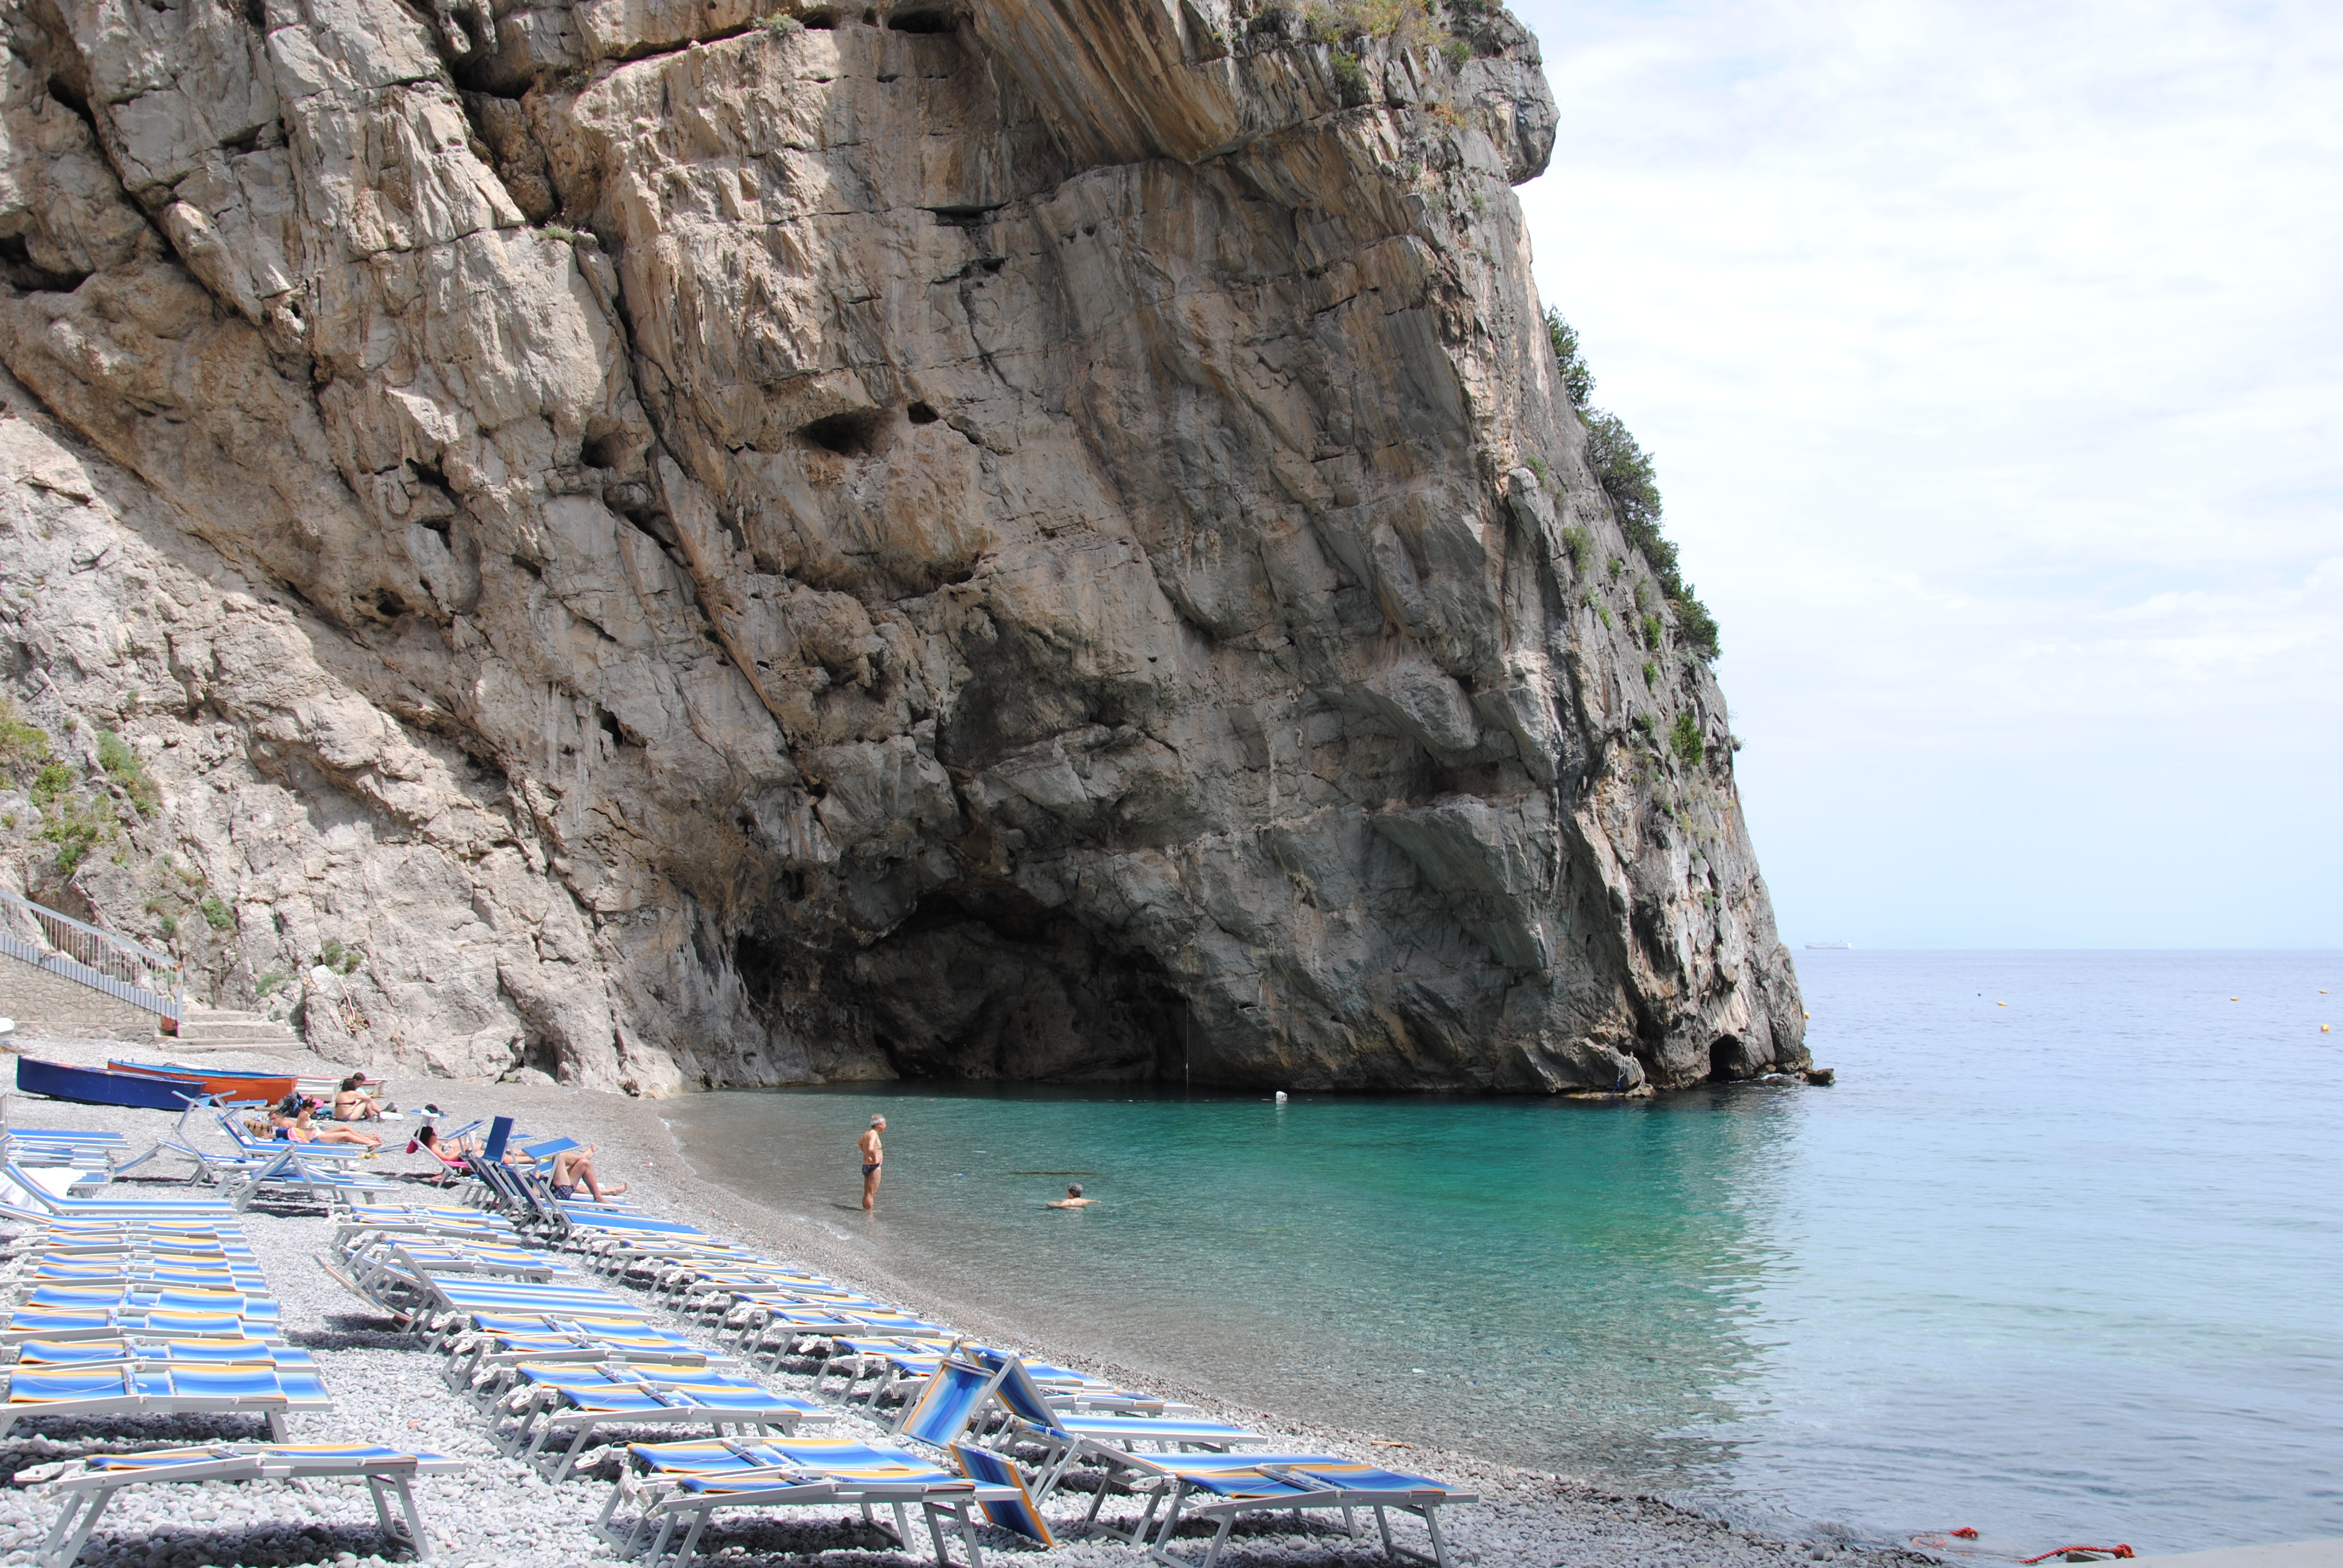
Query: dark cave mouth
column 987, row 987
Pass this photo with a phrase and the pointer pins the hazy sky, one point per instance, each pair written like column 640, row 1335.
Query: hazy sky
column 1992, row 354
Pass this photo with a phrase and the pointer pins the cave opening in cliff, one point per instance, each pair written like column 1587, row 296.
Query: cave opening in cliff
column 920, row 19
column 852, row 434
column 991, row 986
column 1724, row 1058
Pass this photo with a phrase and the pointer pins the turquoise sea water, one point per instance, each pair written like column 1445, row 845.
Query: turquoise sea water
column 2070, row 1269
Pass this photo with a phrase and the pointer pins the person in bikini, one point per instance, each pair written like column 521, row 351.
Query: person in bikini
column 1073, row 1197
column 290, row 1122
column 352, row 1104
column 874, row 1160
column 573, row 1169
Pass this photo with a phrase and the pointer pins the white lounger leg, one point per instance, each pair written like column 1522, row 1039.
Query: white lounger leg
column 1432, row 1523
column 691, row 1538
column 70, row 1534
column 418, row 1536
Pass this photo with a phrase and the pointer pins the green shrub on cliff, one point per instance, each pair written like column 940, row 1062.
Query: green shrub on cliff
column 1406, row 24
column 122, row 765
column 24, row 748
column 1687, row 741
column 1628, row 477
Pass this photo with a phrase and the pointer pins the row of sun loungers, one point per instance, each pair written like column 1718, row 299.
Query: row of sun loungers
column 978, row 1435
column 143, row 1306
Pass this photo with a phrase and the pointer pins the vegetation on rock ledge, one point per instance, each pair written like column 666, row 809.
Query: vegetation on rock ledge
column 1625, row 471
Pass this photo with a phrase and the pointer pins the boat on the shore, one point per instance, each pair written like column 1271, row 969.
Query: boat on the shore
column 101, row 1086
column 271, row 1086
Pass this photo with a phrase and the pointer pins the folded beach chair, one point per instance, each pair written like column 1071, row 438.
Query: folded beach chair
column 961, row 1394
column 679, row 1487
column 87, row 1485
column 561, row 1398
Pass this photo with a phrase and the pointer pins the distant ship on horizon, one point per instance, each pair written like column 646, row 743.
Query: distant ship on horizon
column 1832, row 947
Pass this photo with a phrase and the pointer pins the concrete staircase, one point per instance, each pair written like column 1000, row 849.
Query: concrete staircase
column 227, row 1030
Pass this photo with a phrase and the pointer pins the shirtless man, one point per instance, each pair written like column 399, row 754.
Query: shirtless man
column 1073, row 1197
column 874, row 1160
column 573, row 1169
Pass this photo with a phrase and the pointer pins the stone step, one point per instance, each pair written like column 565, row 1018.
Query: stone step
column 220, row 1015
column 197, row 1031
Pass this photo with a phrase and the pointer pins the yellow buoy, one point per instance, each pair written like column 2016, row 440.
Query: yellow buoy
column 2233, row 999
column 2322, row 1028
column 2001, row 1004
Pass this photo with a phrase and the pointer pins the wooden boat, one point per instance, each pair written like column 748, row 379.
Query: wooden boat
column 271, row 1086
column 98, row 1086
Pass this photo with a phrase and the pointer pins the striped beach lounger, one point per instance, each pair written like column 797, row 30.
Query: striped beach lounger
column 120, row 1389
column 1271, row 1487
column 961, row 1393
column 680, row 1487
column 483, row 1362
column 579, row 1400
column 89, row 1485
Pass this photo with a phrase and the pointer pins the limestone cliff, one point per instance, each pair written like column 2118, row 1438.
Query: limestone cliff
column 676, row 545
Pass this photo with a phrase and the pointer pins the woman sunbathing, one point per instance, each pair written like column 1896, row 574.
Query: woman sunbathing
column 290, row 1122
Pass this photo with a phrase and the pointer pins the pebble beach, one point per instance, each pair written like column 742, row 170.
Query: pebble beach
column 388, row 1389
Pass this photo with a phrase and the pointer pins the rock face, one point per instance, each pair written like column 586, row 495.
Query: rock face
column 676, row 546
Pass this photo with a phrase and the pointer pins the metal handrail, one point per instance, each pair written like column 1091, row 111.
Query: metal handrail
column 79, row 952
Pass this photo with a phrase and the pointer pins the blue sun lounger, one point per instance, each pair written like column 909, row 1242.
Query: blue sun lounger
column 126, row 1389
column 483, row 1362
column 89, row 1485
column 115, row 1322
column 1269, row 1486
column 150, row 1349
column 681, row 1486
column 42, row 1202
column 566, row 1397
column 961, row 1393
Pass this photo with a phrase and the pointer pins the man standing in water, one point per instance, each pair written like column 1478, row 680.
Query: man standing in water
column 874, row 1158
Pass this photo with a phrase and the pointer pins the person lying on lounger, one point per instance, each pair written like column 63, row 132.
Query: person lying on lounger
column 574, row 1168
column 1073, row 1197
column 291, row 1122
column 455, row 1155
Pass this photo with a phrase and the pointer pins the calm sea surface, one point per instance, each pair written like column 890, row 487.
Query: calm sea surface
column 2070, row 1269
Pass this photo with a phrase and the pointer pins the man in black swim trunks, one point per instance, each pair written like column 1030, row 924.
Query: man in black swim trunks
column 874, row 1159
